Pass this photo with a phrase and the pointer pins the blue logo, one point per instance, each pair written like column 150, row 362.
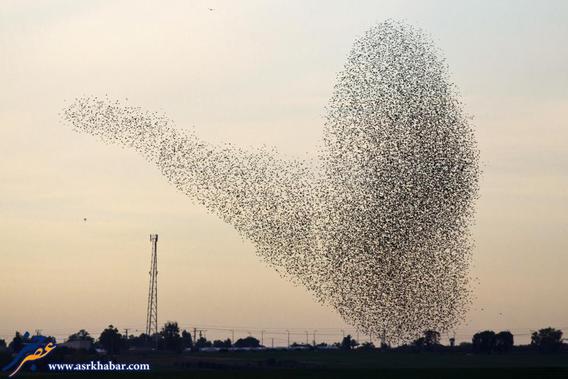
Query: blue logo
column 37, row 348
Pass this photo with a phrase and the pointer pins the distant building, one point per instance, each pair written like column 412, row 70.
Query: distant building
column 78, row 344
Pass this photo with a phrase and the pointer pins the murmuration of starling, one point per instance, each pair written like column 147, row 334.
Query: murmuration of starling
column 379, row 229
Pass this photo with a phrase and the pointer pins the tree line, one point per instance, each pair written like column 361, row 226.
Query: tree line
column 171, row 338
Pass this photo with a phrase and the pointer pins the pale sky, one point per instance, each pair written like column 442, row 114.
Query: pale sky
column 252, row 73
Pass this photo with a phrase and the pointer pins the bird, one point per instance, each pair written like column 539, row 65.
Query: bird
column 378, row 227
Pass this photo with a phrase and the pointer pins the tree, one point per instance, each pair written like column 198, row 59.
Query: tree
column 222, row 344
column 504, row 341
column 170, row 334
column 17, row 342
column 348, row 343
column 419, row 342
column 141, row 341
column 81, row 335
column 202, row 342
column 367, row 346
column 430, row 340
column 186, row 340
column 547, row 340
column 484, row 342
column 247, row 342
column 111, row 340
column 465, row 347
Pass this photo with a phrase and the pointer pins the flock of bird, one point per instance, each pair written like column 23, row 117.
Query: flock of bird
column 378, row 229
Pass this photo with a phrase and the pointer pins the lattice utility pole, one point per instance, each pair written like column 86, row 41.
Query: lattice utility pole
column 152, row 314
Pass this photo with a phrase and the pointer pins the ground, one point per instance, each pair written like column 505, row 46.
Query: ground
column 334, row 364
